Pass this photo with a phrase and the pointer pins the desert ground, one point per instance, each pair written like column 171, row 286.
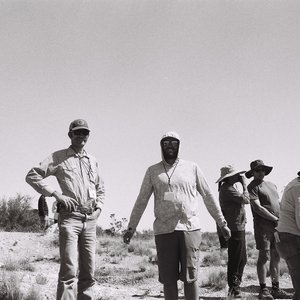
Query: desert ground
column 33, row 259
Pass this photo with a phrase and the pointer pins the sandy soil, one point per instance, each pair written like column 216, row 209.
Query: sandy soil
column 44, row 258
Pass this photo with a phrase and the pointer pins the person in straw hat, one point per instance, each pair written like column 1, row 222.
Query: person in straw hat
column 232, row 203
column 265, row 206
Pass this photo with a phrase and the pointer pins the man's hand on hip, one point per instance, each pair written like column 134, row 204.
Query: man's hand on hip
column 68, row 202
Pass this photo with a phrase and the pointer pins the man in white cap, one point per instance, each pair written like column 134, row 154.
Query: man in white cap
column 81, row 199
column 232, row 203
column 178, row 186
column 265, row 206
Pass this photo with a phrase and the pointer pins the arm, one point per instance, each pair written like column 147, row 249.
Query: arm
column 210, row 203
column 297, row 211
column 139, row 207
column 36, row 176
column 236, row 196
column 261, row 211
column 100, row 191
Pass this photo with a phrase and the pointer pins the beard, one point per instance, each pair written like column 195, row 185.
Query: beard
column 170, row 153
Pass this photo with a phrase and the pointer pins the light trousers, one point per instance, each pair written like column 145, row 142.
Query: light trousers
column 77, row 246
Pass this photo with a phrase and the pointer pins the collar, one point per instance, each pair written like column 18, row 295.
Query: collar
column 175, row 162
column 71, row 152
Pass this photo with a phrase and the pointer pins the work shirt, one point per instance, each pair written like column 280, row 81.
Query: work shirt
column 78, row 177
column 289, row 216
column 266, row 193
column 177, row 193
column 233, row 207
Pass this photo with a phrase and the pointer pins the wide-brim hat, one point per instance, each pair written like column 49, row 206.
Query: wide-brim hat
column 228, row 171
column 258, row 164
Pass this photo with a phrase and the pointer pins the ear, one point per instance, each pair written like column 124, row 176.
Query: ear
column 70, row 134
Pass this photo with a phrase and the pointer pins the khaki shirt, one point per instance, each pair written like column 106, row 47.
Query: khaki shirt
column 77, row 176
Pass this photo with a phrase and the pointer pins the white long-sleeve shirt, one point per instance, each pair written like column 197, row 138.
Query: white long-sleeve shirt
column 182, row 212
column 289, row 215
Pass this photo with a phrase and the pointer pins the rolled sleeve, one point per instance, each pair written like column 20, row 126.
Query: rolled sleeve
column 36, row 177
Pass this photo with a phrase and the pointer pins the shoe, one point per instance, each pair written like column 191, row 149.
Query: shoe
column 265, row 294
column 234, row 293
column 280, row 294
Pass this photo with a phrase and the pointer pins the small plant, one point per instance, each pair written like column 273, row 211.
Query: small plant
column 216, row 280
column 22, row 264
column 213, row 259
column 117, row 226
column 10, row 288
column 41, row 279
column 33, row 295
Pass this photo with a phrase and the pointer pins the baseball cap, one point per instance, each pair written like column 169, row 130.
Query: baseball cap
column 78, row 124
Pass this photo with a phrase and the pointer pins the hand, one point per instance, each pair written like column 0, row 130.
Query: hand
column 242, row 180
column 97, row 212
column 127, row 236
column 68, row 202
column 226, row 232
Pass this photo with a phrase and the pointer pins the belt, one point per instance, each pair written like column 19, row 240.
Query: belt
column 86, row 210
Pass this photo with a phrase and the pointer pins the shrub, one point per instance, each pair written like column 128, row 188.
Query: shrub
column 216, row 280
column 213, row 259
column 209, row 240
column 18, row 264
column 10, row 288
column 17, row 214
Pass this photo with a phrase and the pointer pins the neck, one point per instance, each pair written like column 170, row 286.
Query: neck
column 258, row 180
column 170, row 161
column 77, row 149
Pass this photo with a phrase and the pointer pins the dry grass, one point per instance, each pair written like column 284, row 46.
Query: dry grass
column 122, row 271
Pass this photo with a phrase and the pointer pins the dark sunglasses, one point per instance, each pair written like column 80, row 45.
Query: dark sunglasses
column 173, row 143
column 81, row 132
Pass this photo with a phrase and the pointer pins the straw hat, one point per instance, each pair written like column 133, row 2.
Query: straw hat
column 228, row 171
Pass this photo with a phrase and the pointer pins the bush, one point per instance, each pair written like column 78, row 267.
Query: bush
column 10, row 288
column 17, row 214
column 216, row 280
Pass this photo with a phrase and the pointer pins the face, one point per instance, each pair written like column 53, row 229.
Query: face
column 79, row 137
column 259, row 173
column 170, row 147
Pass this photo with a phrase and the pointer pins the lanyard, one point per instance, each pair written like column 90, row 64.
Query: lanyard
column 169, row 177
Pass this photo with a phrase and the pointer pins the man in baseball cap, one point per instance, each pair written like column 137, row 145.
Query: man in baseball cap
column 80, row 198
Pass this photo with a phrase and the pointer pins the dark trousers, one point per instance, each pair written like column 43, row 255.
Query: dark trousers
column 237, row 258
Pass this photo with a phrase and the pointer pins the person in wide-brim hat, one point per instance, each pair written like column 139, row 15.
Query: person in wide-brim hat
column 228, row 171
column 258, row 164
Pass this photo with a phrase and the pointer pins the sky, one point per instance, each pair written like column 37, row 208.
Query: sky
column 223, row 74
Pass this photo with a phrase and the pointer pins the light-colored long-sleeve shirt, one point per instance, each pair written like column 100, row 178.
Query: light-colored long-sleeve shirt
column 289, row 215
column 177, row 195
column 77, row 176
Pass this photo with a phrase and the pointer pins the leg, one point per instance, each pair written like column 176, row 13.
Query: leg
column 167, row 246
column 87, row 249
column 191, row 291
column 237, row 259
column 189, row 258
column 293, row 264
column 171, row 291
column 68, row 241
column 263, row 257
column 274, row 265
